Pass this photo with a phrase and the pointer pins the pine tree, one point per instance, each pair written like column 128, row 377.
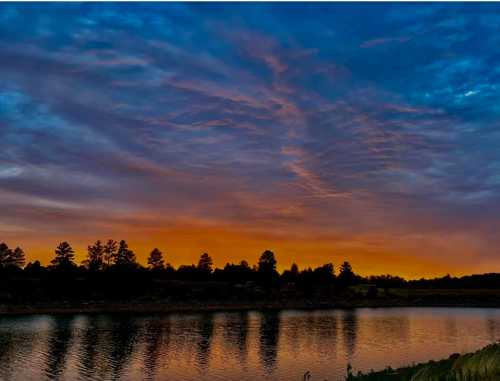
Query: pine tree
column 95, row 256
column 155, row 260
column 109, row 252
column 267, row 262
column 17, row 258
column 65, row 255
column 205, row 264
column 346, row 275
column 5, row 254
column 125, row 256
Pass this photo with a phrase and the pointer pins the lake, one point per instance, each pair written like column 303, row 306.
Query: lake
column 236, row 345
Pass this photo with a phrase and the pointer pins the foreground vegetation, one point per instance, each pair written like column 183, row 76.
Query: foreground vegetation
column 483, row 365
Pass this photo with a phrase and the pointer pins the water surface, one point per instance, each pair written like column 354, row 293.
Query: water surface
column 236, row 345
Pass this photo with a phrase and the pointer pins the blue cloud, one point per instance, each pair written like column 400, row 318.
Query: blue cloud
column 169, row 105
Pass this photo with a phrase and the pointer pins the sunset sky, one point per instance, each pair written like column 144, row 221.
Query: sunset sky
column 324, row 132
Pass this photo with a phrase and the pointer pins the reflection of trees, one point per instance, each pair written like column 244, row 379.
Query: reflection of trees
column 122, row 343
column 206, row 327
column 235, row 332
column 350, row 331
column 325, row 333
column 59, row 342
column 96, row 343
column 157, row 336
column 242, row 333
column 8, row 350
column 294, row 333
column 269, row 337
column 90, row 348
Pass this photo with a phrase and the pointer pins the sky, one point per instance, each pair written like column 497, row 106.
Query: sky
column 366, row 132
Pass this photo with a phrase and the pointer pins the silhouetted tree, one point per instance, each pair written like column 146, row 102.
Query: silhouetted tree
column 205, row 264
column 34, row 268
column 346, row 275
column 95, row 256
column 125, row 256
column 187, row 272
column 65, row 256
column 292, row 275
column 9, row 257
column 155, row 260
column 325, row 272
column 267, row 262
column 18, row 258
column 239, row 273
column 266, row 270
column 322, row 279
column 5, row 254
column 109, row 252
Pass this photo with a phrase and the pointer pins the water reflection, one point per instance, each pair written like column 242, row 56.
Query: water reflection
column 349, row 331
column 493, row 329
column 236, row 346
column 89, row 348
column 235, row 334
column 391, row 328
column 59, row 342
column 205, row 329
column 7, row 352
column 157, row 336
column 325, row 334
column 122, row 344
column 269, row 337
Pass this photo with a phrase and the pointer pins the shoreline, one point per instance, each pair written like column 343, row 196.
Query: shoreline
column 159, row 307
column 482, row 364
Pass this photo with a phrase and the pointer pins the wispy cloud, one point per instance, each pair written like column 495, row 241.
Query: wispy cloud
column 261, row 122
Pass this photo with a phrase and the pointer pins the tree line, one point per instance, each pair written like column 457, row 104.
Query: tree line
column 116, row 257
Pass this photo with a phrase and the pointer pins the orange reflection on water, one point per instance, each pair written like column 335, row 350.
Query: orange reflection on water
column 236, row 345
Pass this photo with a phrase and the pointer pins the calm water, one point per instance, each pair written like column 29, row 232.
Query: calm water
column 236, row 346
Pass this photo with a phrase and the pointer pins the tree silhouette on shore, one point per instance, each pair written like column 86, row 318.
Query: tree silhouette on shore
column 109, row 251
column 65, row 256
column 346, row 275
column 110, row 270
column 124, row 256
column 95, row 256
column 205, row 264
column 267, row 262
column 155, row 260
column 9, row 257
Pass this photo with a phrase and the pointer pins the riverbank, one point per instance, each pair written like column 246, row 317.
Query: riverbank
column 150, row 307
column 165, row 306
column 483, row 365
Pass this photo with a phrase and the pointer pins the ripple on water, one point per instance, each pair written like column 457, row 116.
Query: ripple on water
column 235, row 345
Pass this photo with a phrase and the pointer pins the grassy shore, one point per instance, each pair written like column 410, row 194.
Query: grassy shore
column 483, row 365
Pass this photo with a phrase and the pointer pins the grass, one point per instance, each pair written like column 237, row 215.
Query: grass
column 483, row 365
